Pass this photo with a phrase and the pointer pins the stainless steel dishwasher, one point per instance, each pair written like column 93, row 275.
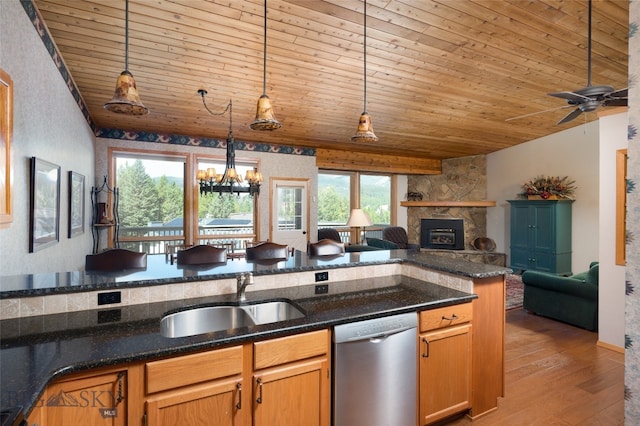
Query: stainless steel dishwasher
column 375, row 363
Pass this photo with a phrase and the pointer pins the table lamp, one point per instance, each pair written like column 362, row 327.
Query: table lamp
column 358, row 218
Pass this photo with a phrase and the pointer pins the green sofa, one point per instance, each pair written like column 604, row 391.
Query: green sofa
column 572, row 299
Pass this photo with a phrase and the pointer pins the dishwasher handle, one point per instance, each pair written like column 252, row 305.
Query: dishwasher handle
column 378, row 337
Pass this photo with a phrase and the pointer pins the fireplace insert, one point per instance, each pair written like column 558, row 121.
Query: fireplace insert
column 445, row 234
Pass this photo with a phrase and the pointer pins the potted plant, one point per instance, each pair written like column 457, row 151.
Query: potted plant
column 549, row 188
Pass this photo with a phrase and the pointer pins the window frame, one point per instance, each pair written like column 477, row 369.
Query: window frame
column 191, row 190
column 354, row 195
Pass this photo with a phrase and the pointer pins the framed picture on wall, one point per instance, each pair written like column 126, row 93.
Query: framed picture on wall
column 76, row 204
column 44, row 209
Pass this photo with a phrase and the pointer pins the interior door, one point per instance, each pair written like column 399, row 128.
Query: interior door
column 289, row 212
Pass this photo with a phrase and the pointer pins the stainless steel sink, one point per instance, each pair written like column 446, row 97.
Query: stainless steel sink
column 224, row 317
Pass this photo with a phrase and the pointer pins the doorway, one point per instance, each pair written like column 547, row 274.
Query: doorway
column 289, row 212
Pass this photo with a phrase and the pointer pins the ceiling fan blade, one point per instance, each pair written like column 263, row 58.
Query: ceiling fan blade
column 570, row 96
column 616, row 102
column 538, row 112
column 622, row 93
column 573, row 114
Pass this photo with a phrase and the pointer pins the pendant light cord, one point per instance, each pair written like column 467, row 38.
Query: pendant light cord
column 364, row 109
column 264, row 62
column 589, row 50
column 126, row 35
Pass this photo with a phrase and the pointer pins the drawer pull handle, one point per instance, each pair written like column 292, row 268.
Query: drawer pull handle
column 239, row 403
column 452, row 318
column 259, row 400
column 425, row 354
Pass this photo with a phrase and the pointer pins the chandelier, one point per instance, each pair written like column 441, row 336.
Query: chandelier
column 230, row 181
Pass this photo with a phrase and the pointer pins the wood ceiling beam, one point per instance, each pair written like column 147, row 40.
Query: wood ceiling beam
column 333, row 159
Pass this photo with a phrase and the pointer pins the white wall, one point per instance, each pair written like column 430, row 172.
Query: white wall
column 611, row 321
column 572, row 152
column 47, row 124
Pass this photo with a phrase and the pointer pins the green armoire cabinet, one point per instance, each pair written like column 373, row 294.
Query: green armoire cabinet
column 541, row 235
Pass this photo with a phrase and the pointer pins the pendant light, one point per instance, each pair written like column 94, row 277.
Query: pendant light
column 126, row 99
column 365, row 128
column 265, row 118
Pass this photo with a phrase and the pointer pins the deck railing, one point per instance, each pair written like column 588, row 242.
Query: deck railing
column 154, row 239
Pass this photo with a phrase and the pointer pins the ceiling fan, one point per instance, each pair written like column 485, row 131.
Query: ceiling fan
column 588, row 98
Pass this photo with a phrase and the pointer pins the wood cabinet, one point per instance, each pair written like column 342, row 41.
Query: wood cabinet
column 97, row 398
column 541, row 235
column 283, row 381
column 288, row 384
column 292, row 380
column 445, row 362
column 198, row 389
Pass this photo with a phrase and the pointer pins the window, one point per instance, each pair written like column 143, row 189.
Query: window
column 375, row 198
column 339, row 192
column 334, row 199
column 151, row 201
column 155, row 212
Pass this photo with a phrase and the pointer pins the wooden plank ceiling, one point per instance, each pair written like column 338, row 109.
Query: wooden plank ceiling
column 442, row 75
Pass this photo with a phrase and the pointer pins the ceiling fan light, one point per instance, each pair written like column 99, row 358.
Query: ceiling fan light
column 365, row 130
column 265, row 119
column 126, row 99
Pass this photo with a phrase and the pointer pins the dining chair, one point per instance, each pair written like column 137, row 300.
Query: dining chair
column 325, row 247
column 202, row 254
column 329, row 233
column 115, row 260
column 267, row 250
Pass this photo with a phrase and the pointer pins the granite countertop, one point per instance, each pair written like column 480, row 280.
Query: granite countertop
column 160, row 271
column 35, row 350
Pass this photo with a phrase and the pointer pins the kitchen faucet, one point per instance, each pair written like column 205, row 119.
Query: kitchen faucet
column 243, row 280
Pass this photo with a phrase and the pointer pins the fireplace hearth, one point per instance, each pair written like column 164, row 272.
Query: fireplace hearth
column 447, row 234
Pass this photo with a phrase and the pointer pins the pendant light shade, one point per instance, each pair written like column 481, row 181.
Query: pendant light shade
column 265, row 118
column 365, row 128
column 126, row 99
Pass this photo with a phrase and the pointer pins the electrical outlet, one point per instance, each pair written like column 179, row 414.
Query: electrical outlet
column 109, row 298
column 322, row 288
column 322, row 276
column 111, row 315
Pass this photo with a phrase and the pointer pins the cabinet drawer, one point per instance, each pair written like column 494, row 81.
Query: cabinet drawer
column 445, row 317
column 291, row 348
column 196, row 368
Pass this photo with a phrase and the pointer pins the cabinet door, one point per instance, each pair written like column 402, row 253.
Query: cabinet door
column 217, row 403
column 88, row 400
column 544, row 229
column 293, row 395
column 520, row 227
column 445, row 372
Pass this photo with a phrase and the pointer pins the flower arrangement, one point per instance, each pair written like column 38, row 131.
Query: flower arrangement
column 549, row 187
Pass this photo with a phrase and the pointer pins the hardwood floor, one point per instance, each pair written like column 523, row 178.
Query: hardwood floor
column 556, row 375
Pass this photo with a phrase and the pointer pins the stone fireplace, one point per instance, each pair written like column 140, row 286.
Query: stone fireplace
column 462, row 179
